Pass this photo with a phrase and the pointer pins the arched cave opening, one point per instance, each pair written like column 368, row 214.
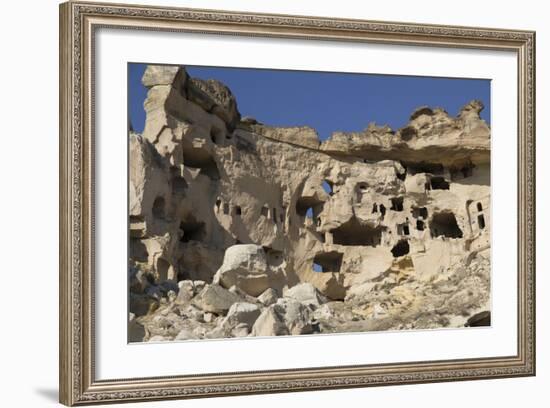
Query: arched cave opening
column 356, row 234
column 191, row 229
column 216, row 135
column 444, row 224
column 481, row 221
column 328, row 261
column 400, row 249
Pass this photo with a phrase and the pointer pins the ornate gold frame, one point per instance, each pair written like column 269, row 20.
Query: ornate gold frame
column 78, row 22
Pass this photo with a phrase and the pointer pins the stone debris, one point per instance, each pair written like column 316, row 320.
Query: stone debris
column 241, row 229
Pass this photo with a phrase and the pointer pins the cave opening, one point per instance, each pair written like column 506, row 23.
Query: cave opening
column 354, row 233
column 264, row 211
column 423, row 167
column 444, row 224
column 420, row 225
column 216, row 135
column 191, row 229
column 308, row 207
column 403, row 229
column 419, row 212
column 328, row 262
column 481, row 221
column 400, row 249
column 328, row 187
column 439, row 183
column 397, row 204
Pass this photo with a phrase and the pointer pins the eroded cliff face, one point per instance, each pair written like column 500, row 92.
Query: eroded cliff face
column 238, row 228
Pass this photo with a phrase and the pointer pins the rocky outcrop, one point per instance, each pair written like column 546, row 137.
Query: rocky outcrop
column 238, row 228
column 432, row 136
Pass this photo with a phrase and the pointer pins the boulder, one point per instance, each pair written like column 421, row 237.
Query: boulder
column 242, row 313
column 186, row 291
column 307, row 294
column 270, row 323
column 215, row 97
column 215, row 299
column 186, row 334
column 268, row 297
column 297, row 317
column 240, row 330
column 246, row 267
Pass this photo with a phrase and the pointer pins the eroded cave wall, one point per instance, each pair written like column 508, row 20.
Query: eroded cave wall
column 203, row 179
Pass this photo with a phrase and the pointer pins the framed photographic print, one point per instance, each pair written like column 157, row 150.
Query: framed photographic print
column 258, row 203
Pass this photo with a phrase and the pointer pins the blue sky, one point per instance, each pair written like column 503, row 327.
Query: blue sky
column 326, row 101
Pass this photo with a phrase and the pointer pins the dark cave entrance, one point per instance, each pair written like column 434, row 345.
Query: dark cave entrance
column 355, row 233
column 328, row 262
column 444, row 224
column 400, row 249
column 191, row 229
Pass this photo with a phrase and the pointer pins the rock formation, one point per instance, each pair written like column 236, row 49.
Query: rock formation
column 242, row 229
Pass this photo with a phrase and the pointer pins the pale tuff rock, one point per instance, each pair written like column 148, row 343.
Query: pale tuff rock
column 431, row 136
column 238, row 228
column 215, row 299
column 247, row 267
column 270, row 323
column 269, row 297
column 296, row 316
column 307, row 294
column 242, row 312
